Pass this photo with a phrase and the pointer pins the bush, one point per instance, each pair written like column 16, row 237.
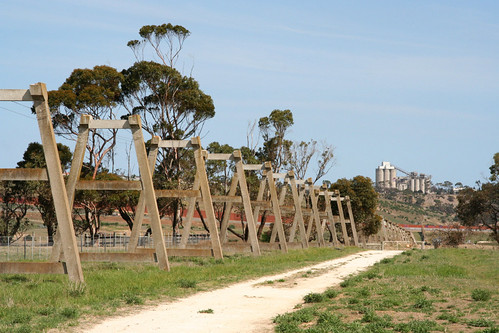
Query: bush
column 481, row 295
column 187, row 283
column 453, row 237
column 480, row 323
column 133, row 299
column 423, row 304
column 331, row 293
column 69, row 312
column 313, row 298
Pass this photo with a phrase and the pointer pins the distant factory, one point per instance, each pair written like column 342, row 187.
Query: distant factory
column 386, row 178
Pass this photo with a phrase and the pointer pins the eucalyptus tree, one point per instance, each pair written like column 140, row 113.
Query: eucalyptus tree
column 34, row 157
column 273, row 129
column 171, row 105
column 303, row 153
column 95, row 92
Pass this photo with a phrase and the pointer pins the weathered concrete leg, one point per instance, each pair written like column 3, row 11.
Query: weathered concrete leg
column 342, row 219
column 141, row 205
column 206, row 198
column 148, row 189
column 330, row 215
column 228, row 208
column 352, row 221
column 62, row 208
column 250, row 218
column 74, row 176
column 191, row 207
column 317, row 220
column 298, row 219
column 275, row 207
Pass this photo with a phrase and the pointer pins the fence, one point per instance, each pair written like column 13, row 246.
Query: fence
column 32, row 247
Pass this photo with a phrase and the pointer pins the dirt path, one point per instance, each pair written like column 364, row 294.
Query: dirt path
column 244, row 307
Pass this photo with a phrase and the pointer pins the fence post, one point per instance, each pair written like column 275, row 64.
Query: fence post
column 24, row 247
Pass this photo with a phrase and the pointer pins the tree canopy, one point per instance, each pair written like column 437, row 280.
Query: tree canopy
column 273, row 129
column 34, row 157
column 364, row 200
column 95, row 92
column 480, row 206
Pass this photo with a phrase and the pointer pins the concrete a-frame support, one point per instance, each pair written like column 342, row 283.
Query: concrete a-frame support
column 272, row 204
column 335, row 196
column 238, row 178
column 298, row 190
column 330, row 217
column 289, row 180
column 200, row 191
column 146, row 185
column 351, row 220
column 341, row 214
column 38, row 94
column 315, row 217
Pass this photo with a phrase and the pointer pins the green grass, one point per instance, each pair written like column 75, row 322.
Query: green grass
column 36, row 303
column 442, row 290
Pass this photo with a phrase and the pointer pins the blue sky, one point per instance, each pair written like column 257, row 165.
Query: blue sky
column 411, row 82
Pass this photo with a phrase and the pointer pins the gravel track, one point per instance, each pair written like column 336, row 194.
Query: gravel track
column 248, row 307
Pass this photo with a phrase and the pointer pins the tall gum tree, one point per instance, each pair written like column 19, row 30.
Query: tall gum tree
column 171, row 105
column 273, row 130
column 303, row 153
column 95, row 92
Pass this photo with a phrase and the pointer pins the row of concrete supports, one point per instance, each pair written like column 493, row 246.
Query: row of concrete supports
column 390, row 232
column 65, row 257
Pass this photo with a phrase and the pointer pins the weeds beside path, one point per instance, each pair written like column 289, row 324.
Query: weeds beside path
column 244, row 307
column 37, row 303
column 442, row 290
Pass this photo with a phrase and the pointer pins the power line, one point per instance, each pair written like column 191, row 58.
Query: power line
column 18, row 113
column 27, row 107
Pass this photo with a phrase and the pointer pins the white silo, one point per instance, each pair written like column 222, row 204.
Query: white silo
column 413, row 186
column 393, row 178
column 379, row 177
column 387, row 177
column 417, row 184
column 423, row 182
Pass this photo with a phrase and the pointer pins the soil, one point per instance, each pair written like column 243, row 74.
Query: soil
column 244, row 307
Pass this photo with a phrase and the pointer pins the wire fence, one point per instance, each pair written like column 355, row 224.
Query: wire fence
column 32, row 247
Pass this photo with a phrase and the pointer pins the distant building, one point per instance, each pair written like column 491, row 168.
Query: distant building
column 386, row 178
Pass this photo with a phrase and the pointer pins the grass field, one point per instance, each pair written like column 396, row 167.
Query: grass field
column 36, row 303
column 442, row 290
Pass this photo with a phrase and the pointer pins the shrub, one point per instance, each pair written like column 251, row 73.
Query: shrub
column 331, row 293
column 187, row 283
column 423, row 304
column 132, row 299
column 453, row 237
column 313, row 298
column 451, row 318
column 490, row 330
column 372, row 274
column 481, row 295
column 69, row 312
column 480, row 323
